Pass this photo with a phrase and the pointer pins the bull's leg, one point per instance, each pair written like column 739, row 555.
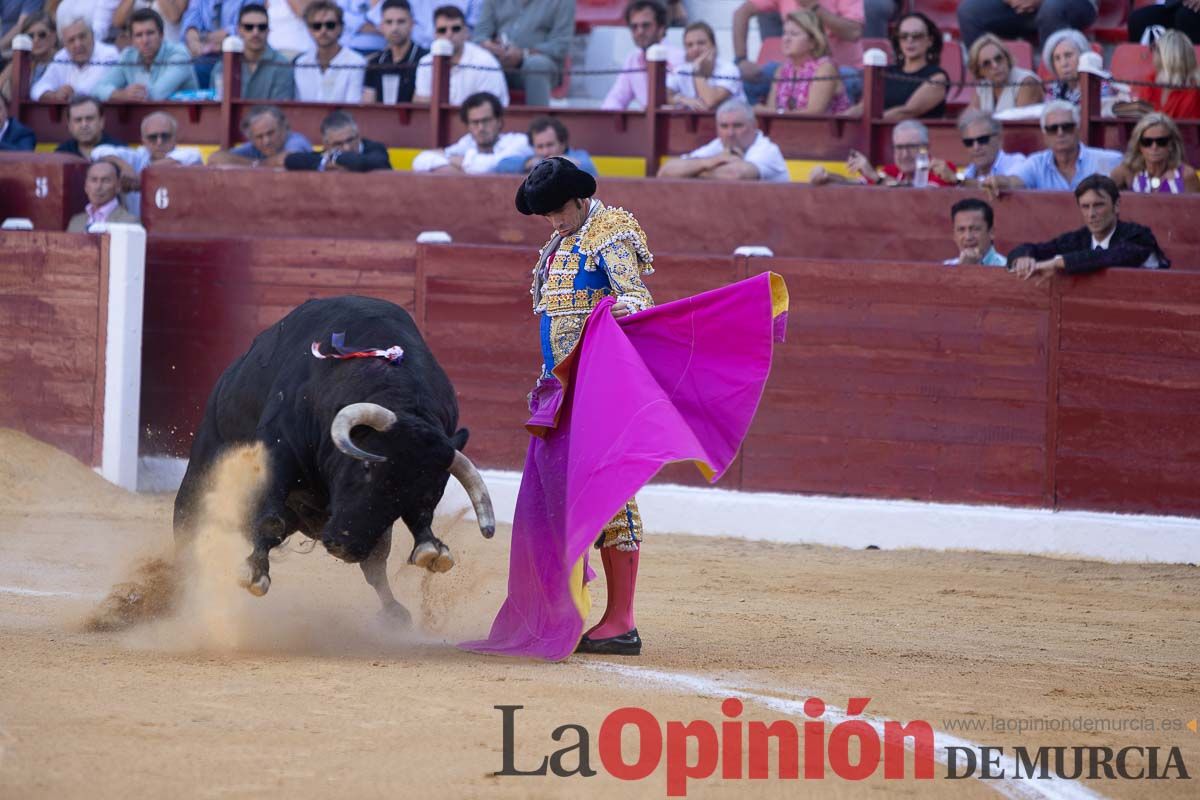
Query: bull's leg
column 374, row 569
column 428, row 551
column 273, row 522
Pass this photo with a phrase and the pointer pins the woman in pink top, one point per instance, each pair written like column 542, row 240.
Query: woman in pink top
column 807, row 82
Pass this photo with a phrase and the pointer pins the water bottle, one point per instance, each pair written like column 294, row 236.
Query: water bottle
column 921, row 176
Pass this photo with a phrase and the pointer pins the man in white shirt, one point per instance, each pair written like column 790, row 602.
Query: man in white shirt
column 70, row 72
column 483, row 147
column 159, row 148
column 739, row 153
column 473, row 69
column 331, row 73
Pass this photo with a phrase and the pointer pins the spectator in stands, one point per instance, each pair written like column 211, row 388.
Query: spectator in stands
column 266, row 73
column 85, row 123
column 330, row 73
column 104, row 204
column 160, row 148
column 71, row 72
column 14, row 14
column 1062, row 54
column 972, row 220
column 1005, row 85
column 1174, row 65
column 878, row 17
column 983, row 137
column 14, row 135
column 841, row 21
column 270, row 141
column 363, row 34
column 741, row 152
column 910, row 139
column 483, row 147
column 473, row 69
column 1021, row 19
column 399, row 58
column 916, row 85
column 808, row 82
column 205, row 25
column 423, row 17
column 289, row 33
column 40, row 28
column 530, row 39
column 99, row 12
column 1103, row 242
column 1173, row 14
column 704, row 81
column 1154, row 159
column 171, row 11
column 549, row 138
column 344, row 149
column 1064, row 163
column 647, row 21
column 151, row 69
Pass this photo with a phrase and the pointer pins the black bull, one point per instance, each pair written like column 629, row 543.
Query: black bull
column 352, row 445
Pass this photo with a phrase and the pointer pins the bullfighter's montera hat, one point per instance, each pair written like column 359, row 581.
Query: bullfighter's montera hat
column 551, row 184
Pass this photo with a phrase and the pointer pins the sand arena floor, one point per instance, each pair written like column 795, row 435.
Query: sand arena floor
column 304, row 694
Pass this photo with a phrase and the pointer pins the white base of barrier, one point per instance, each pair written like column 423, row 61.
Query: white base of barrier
column 853, row 522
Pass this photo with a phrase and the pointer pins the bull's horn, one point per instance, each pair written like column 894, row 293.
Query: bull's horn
column 370, row 414
column 472, row 481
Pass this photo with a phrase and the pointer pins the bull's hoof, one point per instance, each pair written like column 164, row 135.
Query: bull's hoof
column 257, row 585
column 396, row 616
column 423, row 555
column 444, row 562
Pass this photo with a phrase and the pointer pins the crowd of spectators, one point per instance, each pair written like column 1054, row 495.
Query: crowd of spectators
column 347, row 52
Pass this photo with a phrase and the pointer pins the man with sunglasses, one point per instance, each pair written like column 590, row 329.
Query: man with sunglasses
column 473, row 69
column 330, row 73
column 1064, row 163
column 982, row 136
column 77, row 67
column 1104, row 240
column 647, row 21
column 266, row 73
column 159, row 148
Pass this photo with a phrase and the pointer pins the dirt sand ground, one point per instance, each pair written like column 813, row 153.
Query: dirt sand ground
column 304, row 693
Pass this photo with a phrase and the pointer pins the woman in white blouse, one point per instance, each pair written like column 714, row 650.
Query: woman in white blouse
column 1004, row 85
column 705, row 81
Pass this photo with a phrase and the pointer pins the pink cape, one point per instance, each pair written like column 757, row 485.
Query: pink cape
column 676, row 382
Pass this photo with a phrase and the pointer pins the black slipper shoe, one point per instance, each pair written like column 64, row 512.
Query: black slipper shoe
column 627, row 644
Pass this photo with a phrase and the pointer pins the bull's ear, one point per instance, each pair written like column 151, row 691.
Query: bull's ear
column 459, row 440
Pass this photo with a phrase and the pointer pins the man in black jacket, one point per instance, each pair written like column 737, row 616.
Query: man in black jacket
column 13, row 135
column 1103, row 242
column 344, row 149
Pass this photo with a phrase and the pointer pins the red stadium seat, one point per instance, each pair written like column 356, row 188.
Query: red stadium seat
column 944, row 13
column 953, row 61
column 1022, row 52
column 1132, row 62
column 771, row 50
column 593, row 13
column 1110, row 24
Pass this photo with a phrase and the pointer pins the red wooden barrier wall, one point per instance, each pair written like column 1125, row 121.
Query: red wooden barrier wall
column 53, row 322
column 898, row 380
column 46, row 188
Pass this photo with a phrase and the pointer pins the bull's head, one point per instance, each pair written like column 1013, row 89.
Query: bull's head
column 382, row 419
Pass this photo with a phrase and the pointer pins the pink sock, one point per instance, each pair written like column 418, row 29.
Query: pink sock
column 620, row 573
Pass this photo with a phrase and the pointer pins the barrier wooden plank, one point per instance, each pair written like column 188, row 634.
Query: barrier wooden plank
column 693, row 217
column 1128, row 414
column 53, row 311
column 46, row 188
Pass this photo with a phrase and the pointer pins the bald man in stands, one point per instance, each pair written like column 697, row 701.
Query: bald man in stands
column 741, row 152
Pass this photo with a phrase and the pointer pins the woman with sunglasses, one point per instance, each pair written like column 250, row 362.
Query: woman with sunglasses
column 916, row 85
column 1003, row 84
column 1174, row 66
column 40, row 28
column 1154, row 159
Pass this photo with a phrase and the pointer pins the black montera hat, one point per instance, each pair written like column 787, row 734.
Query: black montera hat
column 551, row 184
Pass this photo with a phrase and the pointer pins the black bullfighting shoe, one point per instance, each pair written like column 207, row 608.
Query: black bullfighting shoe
column 627, row 644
